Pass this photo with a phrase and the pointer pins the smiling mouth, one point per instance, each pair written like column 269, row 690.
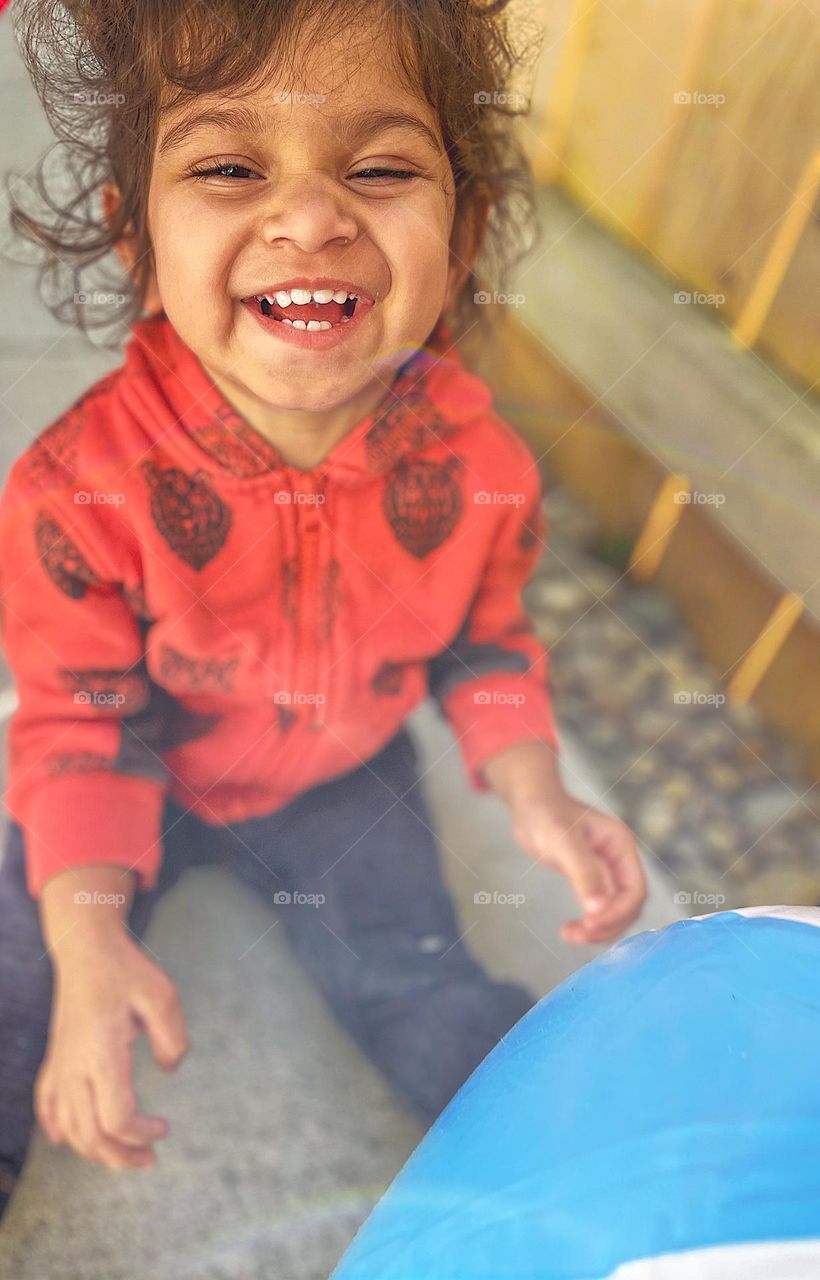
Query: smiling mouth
column 312, row 315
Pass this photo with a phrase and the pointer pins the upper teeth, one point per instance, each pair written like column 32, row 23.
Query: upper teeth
column 284, row 297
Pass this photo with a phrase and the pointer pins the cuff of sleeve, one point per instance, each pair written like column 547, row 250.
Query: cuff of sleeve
column 491, row 713
column 79, row 821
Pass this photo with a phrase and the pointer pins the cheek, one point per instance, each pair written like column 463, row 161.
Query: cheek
column 193, row 254
column 417, row 242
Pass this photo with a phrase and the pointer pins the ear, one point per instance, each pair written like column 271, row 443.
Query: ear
column 125, row 249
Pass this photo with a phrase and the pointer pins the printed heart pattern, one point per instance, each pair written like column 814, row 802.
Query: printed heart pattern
column 203, row 675
column 423, row 502
column 188, row 513
column 237, row 445
column 62, row 559
column 127, row 685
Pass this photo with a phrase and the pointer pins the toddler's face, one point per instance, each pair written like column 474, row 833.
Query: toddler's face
column 292, row 193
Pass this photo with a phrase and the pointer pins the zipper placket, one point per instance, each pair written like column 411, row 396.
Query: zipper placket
column 309, row 528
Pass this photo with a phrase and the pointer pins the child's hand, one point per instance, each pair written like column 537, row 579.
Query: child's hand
column 597, row 853
column 106, row 992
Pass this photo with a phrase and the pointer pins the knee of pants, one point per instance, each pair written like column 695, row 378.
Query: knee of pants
column 428, row 1044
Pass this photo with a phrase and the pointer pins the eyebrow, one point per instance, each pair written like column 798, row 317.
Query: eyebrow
column 350, row 127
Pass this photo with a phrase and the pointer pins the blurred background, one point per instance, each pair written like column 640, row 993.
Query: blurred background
column 658, row 349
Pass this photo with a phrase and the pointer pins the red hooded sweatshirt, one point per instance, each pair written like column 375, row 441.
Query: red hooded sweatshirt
column 186, row 614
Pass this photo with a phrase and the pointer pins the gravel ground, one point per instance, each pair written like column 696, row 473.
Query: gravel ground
column 715, row 793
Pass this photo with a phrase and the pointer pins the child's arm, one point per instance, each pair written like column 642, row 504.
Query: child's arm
column 492, row 685
column 84, row 781
column 87, row 788
column 106, row 991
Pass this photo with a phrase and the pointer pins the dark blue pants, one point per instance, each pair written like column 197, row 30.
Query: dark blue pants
column 351, row 866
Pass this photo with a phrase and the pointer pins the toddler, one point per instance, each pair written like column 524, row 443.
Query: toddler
column 235, row 565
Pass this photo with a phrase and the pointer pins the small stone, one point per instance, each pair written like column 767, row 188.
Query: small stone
column 765, row 805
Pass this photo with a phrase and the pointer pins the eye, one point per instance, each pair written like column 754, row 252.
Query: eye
column 401, row 174
column 217, row 170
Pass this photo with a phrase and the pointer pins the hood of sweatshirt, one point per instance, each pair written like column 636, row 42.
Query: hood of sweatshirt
column 430, row 397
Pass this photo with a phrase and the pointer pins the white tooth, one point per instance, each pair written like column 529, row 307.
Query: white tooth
column 314, row 324
column 340, row 295
column 322, row 295
column 324, row 324
column 283, row 298
column 299, row 324
column 300, row 296
column 285, row 320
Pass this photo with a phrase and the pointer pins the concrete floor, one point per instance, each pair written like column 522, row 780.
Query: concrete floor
column 283, row 1135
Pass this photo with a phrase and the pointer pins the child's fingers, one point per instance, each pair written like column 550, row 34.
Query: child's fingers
column 619, row 851
column 45, row 1109
column 87, row 1139
column 590, row 878
column 160, row 1012
column 117, row 1108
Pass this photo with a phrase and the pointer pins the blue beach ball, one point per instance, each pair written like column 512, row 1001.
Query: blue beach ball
column 655, row 1117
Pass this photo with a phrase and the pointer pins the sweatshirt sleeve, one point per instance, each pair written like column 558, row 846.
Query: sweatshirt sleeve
column 491, row 682
column 83, row 782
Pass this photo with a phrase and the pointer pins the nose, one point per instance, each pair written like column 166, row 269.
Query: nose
column 308, row 209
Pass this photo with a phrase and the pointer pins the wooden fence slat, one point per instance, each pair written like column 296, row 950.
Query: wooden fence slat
column 557, row 117
column 664, row 514
column 765, row 648
column 764, row 289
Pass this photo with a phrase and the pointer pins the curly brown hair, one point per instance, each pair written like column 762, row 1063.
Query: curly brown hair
column 104, row 69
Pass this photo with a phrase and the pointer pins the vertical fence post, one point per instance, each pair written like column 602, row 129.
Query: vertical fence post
column 762, row 293
column 551, row 140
